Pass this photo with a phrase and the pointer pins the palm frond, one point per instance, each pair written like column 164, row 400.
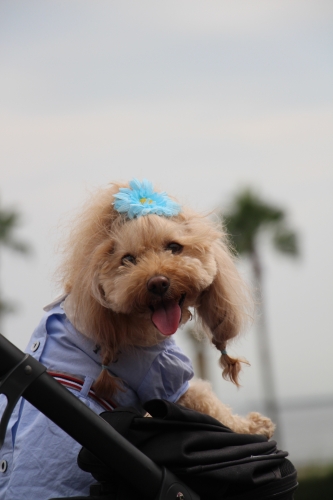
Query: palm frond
column 9, row 221
column 249, row 216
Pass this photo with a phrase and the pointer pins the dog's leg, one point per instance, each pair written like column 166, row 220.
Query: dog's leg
column 200, row 397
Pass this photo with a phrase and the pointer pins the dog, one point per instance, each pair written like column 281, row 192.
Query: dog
column 133, row 278
column 136, row 266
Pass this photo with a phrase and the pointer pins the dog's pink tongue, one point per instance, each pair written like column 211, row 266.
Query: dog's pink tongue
column 166, row 317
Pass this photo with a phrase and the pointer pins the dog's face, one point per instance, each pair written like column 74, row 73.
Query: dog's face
column 134, row 281
column 155, row 269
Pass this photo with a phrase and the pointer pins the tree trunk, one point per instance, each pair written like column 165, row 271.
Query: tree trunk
column 267, row 372
column 201, row 361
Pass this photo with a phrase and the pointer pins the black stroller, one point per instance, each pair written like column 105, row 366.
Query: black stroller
column 201, row 458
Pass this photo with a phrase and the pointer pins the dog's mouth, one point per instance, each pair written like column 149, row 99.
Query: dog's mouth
column 167, row 314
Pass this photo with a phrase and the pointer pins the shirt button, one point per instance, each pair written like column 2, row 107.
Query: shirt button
column 3, row 465
column 35, row 346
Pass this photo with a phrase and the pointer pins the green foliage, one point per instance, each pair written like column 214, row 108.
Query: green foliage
column 315, row 483
column 285, row 241
column 249, row 216
column 9, row 220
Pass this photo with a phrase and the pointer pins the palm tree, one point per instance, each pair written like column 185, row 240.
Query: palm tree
column 247, row 219
column 9, row 220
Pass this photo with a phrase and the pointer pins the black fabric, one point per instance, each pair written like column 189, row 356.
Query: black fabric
column 214, row 461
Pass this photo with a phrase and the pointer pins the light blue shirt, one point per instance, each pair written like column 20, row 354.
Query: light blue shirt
column 38, row 460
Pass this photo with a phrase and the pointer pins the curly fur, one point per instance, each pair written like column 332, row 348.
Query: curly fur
column 109, row 300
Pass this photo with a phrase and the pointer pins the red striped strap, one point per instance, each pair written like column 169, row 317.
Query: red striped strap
column 76, row 383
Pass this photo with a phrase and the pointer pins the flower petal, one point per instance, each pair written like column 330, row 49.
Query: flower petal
column 141, row 199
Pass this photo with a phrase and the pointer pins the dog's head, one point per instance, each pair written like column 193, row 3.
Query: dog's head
column 133, row 281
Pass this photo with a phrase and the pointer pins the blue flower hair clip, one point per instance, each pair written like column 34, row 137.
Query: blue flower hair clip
column 141, row 199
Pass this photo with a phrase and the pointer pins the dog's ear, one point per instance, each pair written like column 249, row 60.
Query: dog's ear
column 222, row 308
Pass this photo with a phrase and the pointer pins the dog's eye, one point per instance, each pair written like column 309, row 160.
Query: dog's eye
column 128, row 258
column 174, row 247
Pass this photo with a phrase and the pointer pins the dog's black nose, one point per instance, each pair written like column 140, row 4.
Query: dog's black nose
column 158, row 285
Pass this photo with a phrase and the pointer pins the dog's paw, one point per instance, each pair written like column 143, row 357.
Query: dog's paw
column 260, row 424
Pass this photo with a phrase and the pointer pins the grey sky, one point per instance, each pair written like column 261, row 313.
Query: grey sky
column 201, row 98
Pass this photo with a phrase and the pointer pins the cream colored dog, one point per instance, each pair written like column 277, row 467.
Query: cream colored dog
column 133, row 274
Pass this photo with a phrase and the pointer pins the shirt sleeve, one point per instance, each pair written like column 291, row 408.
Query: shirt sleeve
column 168, row 376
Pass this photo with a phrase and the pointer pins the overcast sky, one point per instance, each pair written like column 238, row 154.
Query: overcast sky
column 202, row 98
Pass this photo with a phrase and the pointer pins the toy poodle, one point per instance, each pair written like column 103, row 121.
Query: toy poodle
column 136, row 266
